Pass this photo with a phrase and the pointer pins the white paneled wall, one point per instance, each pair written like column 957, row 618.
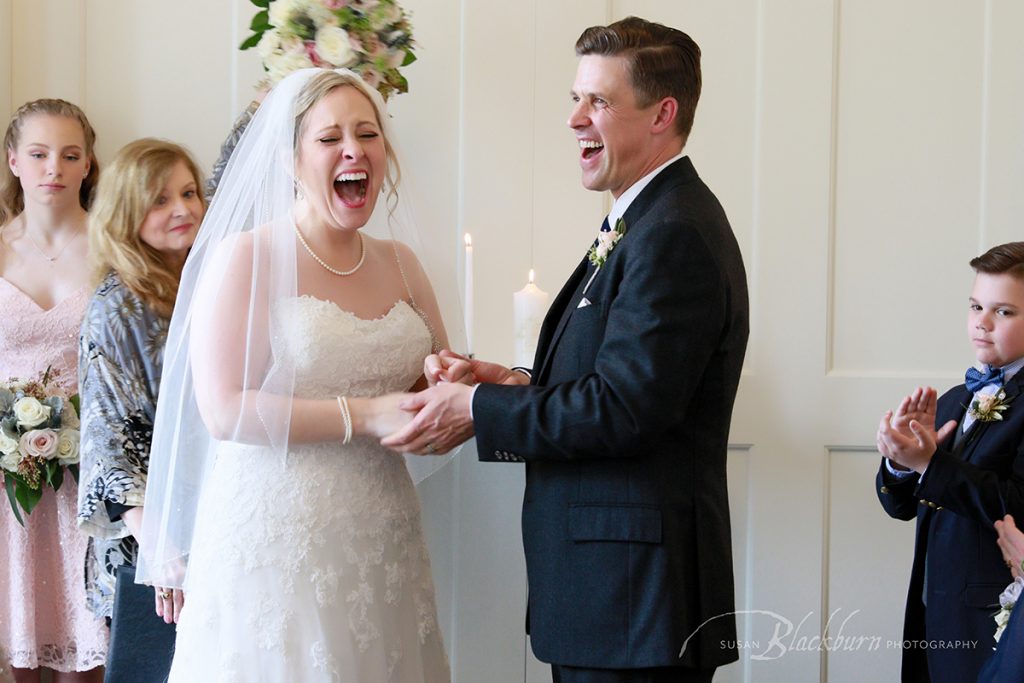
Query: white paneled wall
column 864, row 150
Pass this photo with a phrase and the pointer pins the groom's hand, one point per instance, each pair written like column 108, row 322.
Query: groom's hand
column 442, row 422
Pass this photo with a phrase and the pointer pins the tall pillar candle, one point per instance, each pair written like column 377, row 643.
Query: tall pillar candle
column 530, row 305
column 468, row 293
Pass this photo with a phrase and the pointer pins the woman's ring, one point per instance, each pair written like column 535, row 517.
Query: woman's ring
column 430, row 449
column 165, row 594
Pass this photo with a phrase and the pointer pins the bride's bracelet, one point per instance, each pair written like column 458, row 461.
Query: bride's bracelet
column 346, row 415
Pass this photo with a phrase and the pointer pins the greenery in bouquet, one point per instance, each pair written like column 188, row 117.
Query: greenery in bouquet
column 371, row 37
column 38, row 440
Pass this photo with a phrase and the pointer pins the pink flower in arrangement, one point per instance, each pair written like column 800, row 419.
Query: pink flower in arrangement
column 371, row 76
column 372, row 45
column 312, row 54
column 335, row 4
column 39, row 443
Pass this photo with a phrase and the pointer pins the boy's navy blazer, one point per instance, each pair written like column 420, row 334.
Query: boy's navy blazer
column 624, row 430
column 967, row 487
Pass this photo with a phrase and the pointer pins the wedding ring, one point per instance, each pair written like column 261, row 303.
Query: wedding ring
column 430, row 449
column 165, row 595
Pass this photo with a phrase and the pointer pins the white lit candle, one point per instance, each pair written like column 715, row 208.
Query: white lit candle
column 468, row 310
column 530, row 305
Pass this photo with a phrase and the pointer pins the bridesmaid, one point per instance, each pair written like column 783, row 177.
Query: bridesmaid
column 147, row 211
column 44, row 193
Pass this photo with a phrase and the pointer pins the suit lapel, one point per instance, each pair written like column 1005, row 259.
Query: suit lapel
column 565, row 304
column 557, row 317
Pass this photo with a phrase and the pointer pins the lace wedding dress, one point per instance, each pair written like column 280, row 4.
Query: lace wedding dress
column 317, row 570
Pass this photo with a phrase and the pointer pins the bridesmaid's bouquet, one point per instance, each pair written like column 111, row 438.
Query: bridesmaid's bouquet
column 371, row 37
column 38, row 440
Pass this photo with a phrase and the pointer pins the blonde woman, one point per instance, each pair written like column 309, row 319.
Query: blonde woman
column 147, row 213
column 45, row 190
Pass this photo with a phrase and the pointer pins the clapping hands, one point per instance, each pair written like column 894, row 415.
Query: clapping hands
column 908, row 436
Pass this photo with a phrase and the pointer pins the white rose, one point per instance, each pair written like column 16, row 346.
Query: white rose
column 605, row 242
column 333, row 45
column 67, row 446
column 7, row 444
column 10, row 461
column 39, row 443
column 320, row 14
column 269, row 44
column 279, row 66
column 30, row 412
column 281, row 11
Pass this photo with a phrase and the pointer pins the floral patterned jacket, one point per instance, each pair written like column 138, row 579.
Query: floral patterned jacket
column 121, row 349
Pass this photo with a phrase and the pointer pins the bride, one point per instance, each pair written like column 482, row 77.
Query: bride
column 301, row 534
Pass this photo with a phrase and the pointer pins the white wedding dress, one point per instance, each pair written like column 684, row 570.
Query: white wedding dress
column 317, row 570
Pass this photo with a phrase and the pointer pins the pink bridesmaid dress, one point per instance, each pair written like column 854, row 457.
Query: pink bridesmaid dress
column 44, row 620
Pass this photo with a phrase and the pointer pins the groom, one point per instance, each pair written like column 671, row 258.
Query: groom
column 624, row 423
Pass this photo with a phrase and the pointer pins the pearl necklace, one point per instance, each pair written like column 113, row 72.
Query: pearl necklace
column 343, row 273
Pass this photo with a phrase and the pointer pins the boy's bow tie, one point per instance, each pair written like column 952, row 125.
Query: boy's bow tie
column 975, row 379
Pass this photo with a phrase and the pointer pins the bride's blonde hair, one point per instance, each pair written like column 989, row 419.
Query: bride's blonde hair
column 129, row 189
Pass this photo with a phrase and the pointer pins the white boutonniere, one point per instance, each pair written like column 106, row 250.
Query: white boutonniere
column 989, row 407
column 1007, row 599
column 606, row 241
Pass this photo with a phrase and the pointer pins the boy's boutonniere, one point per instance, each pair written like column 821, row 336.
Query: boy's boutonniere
column 1007, row 599
column 606, row 241
column 989, row 407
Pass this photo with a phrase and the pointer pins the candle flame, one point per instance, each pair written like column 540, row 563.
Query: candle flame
column 469, row 240
column 531, row 276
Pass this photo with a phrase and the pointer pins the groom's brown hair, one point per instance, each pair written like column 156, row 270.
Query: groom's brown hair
column 663, row 62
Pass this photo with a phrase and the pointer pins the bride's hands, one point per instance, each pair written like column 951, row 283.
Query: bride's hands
column 169, row 602
column 448, row 366
column 386, row 417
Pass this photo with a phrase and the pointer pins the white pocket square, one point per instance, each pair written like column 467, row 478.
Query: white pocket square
column 584, row 302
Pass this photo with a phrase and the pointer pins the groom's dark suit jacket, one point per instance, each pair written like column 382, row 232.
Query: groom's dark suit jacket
column 624, row 432
column 966, row 488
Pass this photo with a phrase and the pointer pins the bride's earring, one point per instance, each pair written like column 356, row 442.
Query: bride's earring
column 299, row 195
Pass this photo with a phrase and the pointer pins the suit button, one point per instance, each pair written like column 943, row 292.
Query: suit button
column 884, row 489
column 938, row 508
column 930, row 504
column 497, row 454
column 923, row 501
